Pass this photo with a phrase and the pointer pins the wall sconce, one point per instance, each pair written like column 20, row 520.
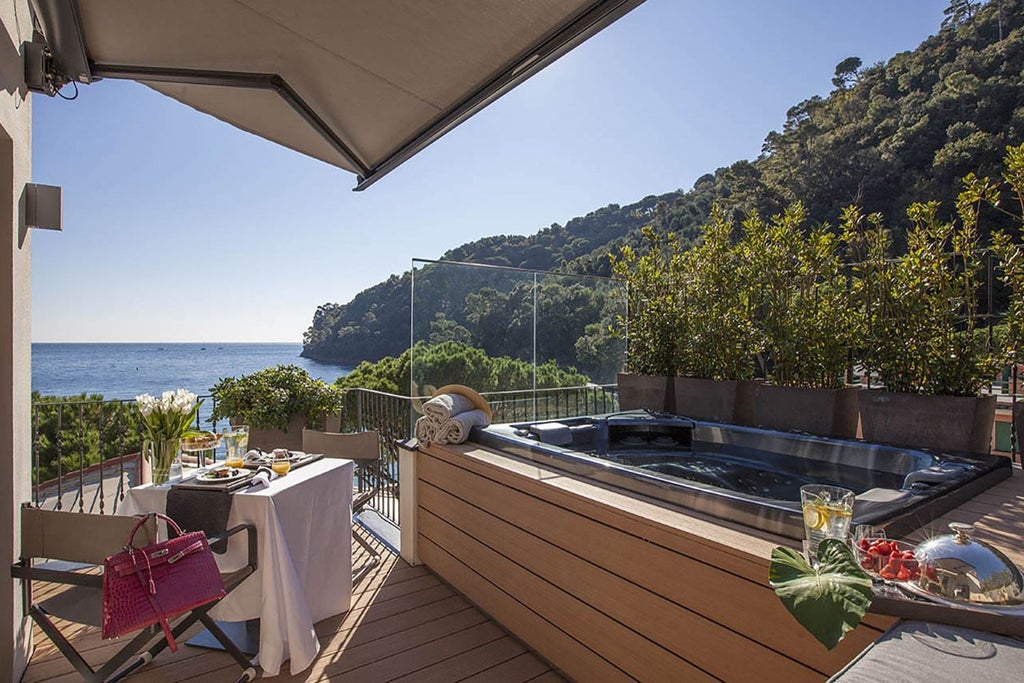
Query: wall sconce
column 43, row 206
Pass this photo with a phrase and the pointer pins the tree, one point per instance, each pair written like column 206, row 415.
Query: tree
column 444, row 329
column 960, row 12
column 846, row 73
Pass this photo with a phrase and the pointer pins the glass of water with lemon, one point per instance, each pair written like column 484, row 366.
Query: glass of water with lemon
column 236, row 441
column 827, row 513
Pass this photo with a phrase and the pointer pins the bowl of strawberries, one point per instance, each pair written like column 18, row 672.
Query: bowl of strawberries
column 890, row 559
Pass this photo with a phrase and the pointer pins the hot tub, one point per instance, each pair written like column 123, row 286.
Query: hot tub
column 747, row 475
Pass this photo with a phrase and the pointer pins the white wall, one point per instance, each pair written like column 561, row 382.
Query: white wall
column 15, row 319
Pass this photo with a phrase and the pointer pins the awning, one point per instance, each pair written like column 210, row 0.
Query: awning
column 360, row 84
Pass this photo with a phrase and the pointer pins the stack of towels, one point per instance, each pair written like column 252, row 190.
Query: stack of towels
column 447, row 418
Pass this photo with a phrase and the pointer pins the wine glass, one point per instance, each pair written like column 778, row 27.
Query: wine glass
column 282, row 462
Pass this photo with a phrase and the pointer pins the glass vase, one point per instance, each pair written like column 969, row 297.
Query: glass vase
column 164, row 458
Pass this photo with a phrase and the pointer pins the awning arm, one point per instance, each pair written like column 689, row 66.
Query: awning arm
column 236, row 79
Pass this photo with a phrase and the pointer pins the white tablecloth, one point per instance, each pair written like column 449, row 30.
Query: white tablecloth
column 303, row 522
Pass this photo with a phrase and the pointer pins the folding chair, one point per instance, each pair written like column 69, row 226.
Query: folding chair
column 364, row 449
column 79, row 542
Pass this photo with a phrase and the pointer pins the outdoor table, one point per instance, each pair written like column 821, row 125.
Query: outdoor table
column 304, row 528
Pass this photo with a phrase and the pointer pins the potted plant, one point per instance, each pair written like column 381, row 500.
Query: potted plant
column 690, row 336
column 922, row 324
column 653, row 322
column 1011, row 266
column 716, row 346
column 806, row 323
column 276, row 403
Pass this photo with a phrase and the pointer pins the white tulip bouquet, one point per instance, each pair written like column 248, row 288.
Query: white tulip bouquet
column 166, row 420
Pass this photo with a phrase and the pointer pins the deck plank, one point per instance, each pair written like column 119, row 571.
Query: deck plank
column 404, row 624
column 522, row 667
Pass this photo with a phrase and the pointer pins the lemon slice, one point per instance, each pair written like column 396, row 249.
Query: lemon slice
column 839, row 511
column 815, row 517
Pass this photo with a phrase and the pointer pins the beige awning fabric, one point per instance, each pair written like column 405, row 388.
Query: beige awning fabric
column 360, row 84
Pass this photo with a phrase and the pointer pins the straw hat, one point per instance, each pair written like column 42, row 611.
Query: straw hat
column 479, row 402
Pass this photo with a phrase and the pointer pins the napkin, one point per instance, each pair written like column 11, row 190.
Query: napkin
column 254, row 455
column 262, row 479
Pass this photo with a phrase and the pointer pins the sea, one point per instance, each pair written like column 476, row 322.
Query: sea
column 123, row 371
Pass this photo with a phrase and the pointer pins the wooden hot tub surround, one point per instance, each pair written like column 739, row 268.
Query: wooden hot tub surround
column 606, row 584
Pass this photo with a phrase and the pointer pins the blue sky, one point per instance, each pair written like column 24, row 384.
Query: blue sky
column 178, row 227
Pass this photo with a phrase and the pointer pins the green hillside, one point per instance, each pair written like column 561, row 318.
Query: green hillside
column 887, row 135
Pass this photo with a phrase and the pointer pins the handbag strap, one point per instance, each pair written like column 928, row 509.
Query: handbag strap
column 149, row 590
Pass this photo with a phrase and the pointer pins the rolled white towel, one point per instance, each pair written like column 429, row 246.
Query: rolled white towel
column 427, row 429
column 445, row 406
column 456, row 430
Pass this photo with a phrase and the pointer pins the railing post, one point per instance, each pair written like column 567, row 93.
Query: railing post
column 407, row 457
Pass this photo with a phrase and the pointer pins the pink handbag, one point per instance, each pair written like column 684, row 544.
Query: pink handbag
column 143, row 586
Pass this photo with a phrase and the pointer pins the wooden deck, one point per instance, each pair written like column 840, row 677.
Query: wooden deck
column 405, row 625
column 997, row 515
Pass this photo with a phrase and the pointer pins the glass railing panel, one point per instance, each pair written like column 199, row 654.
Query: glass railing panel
column 536, row 344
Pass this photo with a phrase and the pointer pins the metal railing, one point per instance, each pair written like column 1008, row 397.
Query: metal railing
column 550, row 404
column 393, row 417
column 86, row 453
column 388, row 414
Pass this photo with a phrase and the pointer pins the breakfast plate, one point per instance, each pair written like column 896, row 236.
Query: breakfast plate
column 254, row 458
column 222, row 475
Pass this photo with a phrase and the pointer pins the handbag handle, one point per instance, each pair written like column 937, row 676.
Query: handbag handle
column 141, row 519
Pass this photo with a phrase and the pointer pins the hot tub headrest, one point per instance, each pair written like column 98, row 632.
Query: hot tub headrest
column 554, row 433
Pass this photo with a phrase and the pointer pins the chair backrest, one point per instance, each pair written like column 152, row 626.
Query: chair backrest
column 358, row 446
column 78, row 536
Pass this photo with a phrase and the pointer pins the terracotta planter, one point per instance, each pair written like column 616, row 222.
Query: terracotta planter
column 822, row 412
column 944, row 423
column 643, row 391
column 715, row 400
column 269, row 439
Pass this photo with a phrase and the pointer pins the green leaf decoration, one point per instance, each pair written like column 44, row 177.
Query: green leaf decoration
column 828, row 601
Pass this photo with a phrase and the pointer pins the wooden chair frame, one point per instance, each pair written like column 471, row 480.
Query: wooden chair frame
column 70, row 549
